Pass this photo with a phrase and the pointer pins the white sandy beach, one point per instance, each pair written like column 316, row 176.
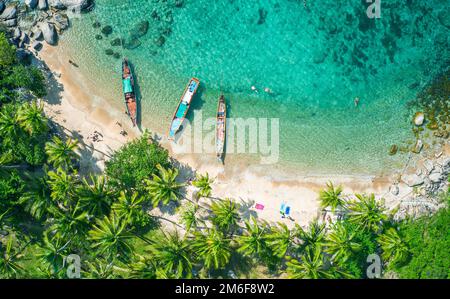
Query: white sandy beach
column 78, row 107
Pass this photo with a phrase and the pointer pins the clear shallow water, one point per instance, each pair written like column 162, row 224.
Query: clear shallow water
column 316, row 60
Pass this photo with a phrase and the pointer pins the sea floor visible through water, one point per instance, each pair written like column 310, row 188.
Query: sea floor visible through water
column 315, row 59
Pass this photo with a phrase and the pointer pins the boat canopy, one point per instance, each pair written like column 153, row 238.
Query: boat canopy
column 181, row 110
column 127, row 87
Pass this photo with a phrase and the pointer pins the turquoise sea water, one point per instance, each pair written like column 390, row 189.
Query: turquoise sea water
column 315, row 58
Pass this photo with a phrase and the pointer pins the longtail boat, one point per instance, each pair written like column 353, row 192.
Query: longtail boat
column 128, row 91
column 221, row 126
column 183, row 107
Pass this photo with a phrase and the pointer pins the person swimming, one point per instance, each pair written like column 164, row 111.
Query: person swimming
column 254, row 88
column 356, row 101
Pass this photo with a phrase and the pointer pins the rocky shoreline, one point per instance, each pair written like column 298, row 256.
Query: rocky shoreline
column 33, row 22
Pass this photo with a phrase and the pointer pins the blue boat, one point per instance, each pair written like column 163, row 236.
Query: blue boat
column 183, row 107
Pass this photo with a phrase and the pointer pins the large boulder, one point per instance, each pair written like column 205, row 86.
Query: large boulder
column 419, row 118
column 42, row 5
column 10, row 12
column 37, row 34
column 49, row 33
column 58, row 4
column 61, row 21
column 31, row 3
column 76, row 4
column 412, row 180
column 10, row 23
column 2, row 6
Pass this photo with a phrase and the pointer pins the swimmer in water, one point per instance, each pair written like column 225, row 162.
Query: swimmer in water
column 268, row 90
column 254, row 88
column 356, row 101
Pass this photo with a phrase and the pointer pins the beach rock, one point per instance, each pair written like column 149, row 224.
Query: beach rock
column 37, row 34
column 393, row 149
column 419, row 118
column 58, row 4
column 140, row 29
column 178, row 4
column 61, row 21
column 428, row 165
column 394, row 190
column 10, row 12
column 435, row 177
column 36, row 45
column 2, row 6
column 132, row 44
column 17, row 33
column 412, row 180
column 109, row 52
column 49, row 33
column 42, row 5
column 117, row 55
column 107, row 30
column 96, row 24
column 31, row 3
column 98, row 37
column 76, row 4
column 160, row 41
column 10, row 23
column 24, row 38
column 117, row 42
column 418, row 146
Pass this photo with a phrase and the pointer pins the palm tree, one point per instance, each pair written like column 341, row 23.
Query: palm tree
column 110, row 237
column 62, row 185
column 164, row 188
column 10, row 128
column 367, row 213
column 173, row 255
column 142, row 268
column 310, row 266
column 9, row 258
column 312, row 238
column 96, row 197
column 331, row 197
column 32, row 118
column 341, row 244
column 281, row 238
column 37, row 201
column 61, row 153
column 72, row 223
column 394, row 248
column 53, row 252
column 189, row 216
column 203, row 182
column 212, row 248
column 129, row 207
column 99, row 269
column 253, row 241
column 225, row 214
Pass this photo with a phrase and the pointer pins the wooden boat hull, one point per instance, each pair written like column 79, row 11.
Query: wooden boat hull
column 129, row 91
column 183, row 107
column 221, row 126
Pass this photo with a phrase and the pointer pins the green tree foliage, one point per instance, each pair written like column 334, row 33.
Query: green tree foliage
column 331, row 197
column 428, row 242
column 203, row 182
column 7, row 52
column 213, row 249
column 164, row 186
column 61, row 153
column 173, row 255
column 225, row 215
column 135, row 162
column 367, row 212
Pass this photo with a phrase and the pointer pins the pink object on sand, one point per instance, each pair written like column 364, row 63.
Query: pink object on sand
column 259, row 206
